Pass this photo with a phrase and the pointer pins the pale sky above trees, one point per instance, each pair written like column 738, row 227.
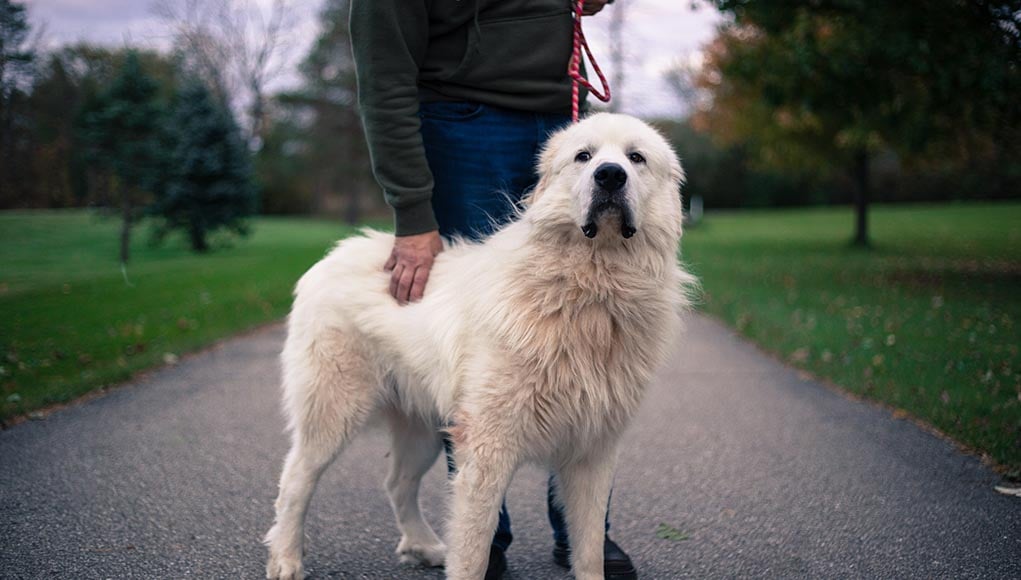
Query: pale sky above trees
column 656, row 34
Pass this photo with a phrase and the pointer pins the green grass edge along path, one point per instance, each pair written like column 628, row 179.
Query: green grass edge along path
column 72, row 324
column 927, row 321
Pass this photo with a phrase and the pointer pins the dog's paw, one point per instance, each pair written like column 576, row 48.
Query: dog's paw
column 284, row 568
column 417, row 552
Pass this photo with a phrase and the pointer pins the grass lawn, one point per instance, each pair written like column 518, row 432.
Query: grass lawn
column 70, row 324
column 928, row 321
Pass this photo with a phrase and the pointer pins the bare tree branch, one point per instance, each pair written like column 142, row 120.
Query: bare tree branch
column 618, row 18
column 235, row 47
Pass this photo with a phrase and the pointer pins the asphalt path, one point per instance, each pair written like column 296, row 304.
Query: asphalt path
column 736, row 467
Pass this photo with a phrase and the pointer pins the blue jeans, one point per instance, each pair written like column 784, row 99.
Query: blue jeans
column 483, row 161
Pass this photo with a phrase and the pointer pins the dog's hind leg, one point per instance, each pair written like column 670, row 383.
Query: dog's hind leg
column 415, row 446
column 584, row 489
column 329, row 393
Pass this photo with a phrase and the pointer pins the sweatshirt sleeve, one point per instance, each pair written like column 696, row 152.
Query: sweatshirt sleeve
column 390, row 39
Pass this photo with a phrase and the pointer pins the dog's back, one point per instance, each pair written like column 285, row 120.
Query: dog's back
column 420, row 346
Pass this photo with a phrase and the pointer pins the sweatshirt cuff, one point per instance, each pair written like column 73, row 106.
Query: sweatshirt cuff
column 417, row 218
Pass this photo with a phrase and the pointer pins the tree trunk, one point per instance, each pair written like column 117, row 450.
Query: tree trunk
column 7, row 152
column 3, row 169
column 197, row 236
column 125, row 225
column 861, row 198
column 257, row 112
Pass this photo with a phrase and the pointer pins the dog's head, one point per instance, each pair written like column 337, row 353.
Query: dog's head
column 609, row 176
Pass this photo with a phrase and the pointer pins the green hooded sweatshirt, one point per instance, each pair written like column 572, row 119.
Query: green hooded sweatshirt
column 506, row 53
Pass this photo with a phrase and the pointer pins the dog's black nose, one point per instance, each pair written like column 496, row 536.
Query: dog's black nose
column 610, row 176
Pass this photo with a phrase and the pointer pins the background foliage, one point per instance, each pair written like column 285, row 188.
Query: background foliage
column 810, row 102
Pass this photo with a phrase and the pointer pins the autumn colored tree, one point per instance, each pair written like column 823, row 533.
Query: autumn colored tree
column 825, row 85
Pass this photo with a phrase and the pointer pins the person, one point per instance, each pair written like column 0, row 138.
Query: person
column 457, row 98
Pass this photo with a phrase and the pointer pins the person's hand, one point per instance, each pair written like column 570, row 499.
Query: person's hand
column 409, row 265
column 594, row 6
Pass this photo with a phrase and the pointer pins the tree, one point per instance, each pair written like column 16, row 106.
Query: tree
column 16, row 58
column 65, row 81
column 121, row 128
column 209, row 185
column 825, row 85
column 283, row 166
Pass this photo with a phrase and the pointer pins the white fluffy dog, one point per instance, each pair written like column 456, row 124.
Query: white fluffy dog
column 535, row 345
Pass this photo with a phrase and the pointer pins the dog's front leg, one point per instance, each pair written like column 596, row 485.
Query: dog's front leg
column 479, row 487
column 584, row 489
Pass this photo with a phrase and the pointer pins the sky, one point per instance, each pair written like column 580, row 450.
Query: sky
column 656, row 33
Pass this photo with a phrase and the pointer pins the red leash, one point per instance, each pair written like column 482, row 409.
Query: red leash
column 574, row 70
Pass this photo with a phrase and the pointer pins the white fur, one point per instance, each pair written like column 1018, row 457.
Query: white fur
column 535, row 345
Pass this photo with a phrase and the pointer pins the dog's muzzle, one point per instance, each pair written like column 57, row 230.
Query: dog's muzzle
column 607, row 197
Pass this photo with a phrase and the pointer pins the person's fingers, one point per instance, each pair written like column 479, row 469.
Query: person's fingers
column 419, row 282
column 390, row 262
column 404, row 286
column 395, row 279
column 592, row 7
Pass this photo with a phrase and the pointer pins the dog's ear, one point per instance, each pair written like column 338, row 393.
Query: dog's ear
column 546, row 163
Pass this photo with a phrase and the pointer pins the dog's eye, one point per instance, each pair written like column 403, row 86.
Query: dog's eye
column 636, row 158
column 582, row 156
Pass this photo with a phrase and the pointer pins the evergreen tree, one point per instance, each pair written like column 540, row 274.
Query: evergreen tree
column 209, row 185
column 121, row 128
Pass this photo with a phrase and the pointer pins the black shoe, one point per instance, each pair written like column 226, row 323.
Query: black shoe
column 616, row 563
column 497, row 564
